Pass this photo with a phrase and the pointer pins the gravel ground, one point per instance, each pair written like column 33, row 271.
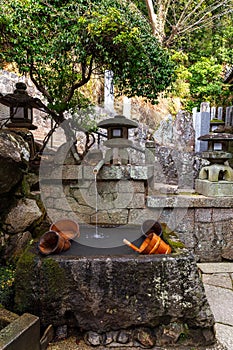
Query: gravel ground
column 70, row 344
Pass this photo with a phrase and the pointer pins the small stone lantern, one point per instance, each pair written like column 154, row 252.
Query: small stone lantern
column 21, row 108
column 118, row 142
column 216, row 179
column 21, row 113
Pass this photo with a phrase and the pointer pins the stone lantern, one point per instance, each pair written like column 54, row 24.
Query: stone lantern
column 21, row 112
column 118, row 142
column 216, row 179
column 21, row 108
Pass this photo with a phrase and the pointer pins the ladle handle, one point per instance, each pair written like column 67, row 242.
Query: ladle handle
column 131, row 245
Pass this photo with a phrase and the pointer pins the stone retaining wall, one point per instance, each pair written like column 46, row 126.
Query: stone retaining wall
column 71, row 191
column 204, row 224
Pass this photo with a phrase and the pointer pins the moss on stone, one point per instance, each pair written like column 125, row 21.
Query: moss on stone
column 175, row 244
column 171, row 238
column 54, row 278
column 216, row 120
column 30, row 295
column 25, row 188
column 25, row 269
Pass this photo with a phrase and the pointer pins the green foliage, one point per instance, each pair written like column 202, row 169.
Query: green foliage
column 206, row 81
column 199, row 81
column 61, row 44
column 215, row 40
column 7, row 277
column 197, row 30
column 181, row 85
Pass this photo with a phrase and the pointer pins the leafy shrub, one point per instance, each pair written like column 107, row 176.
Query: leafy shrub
column 7, row 276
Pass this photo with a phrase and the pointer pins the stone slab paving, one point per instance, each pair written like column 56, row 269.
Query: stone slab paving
column 221, row 304
column 218, row 279
column 218, row 283
column 216, row 267
column 225, row 335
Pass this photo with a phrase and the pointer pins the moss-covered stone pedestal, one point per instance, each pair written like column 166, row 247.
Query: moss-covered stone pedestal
column 120, row 300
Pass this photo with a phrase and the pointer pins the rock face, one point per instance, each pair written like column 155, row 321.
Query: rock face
column 14, row 157
column 174, row 149
column 115, row 293
column 22, row 215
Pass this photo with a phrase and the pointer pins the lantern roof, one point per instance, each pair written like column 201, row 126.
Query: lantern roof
column 216, row 137
column 118, row 120
column 20, row 98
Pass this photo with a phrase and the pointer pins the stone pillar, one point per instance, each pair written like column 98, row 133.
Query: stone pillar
column 229, row 116
column 202, row 126
column 127, row 107
column 220, row 110
column 108, row 91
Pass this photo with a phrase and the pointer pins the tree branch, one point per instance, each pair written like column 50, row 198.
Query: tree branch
column 83, row 81
column 39, row 85
column 196, row 26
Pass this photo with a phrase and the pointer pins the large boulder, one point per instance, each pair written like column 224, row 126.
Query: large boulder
column 22, row 216
column 14, row 158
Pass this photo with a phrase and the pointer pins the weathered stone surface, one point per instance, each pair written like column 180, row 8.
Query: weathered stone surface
column 214, row 189
column 225, row 335
column 16, row 245
column 208, row 246
column 227, row 252
column 175, row 151
column 183, row 132
column 6, row 317
column 115, row 216
column 220, row 299
column 196, row 201
column 22, row 215
column 144, row 337
column 171, row 332
column 123, row 337
column 102, row 294
column 93, row 338
column 22, row 333
column 61, row 332
column 203, row 215
column 137, row 216
column 209, row 268
column 204, row 224
column 218, row 280
column 138, row 201
column 165, row 170
column 14, row 157
column 164, row 134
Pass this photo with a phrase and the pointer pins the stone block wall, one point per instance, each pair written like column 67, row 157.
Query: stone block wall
column 204, row 224
column 117, row 193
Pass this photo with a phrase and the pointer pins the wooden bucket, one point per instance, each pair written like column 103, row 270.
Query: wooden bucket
column 151, row 226
column 51, row 242
column 152, row 244
column 67, row 228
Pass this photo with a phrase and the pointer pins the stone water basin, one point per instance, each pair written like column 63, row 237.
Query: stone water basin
column 113, row 293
